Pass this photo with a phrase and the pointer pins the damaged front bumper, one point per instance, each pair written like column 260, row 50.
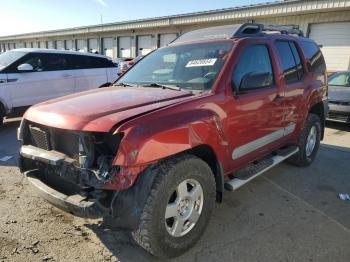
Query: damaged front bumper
column 75, row 204
column 57, row 178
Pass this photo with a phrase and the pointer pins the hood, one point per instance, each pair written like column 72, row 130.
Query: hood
column 99, row 110
column 339, row 93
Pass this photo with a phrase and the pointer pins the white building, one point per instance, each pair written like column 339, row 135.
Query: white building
column 326, row 21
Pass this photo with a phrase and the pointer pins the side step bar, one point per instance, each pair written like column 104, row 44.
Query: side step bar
column 250, row 172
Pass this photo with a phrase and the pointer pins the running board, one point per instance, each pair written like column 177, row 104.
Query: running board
column 250, row 172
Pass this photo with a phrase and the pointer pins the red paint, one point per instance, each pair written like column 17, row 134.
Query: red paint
column 170, row 122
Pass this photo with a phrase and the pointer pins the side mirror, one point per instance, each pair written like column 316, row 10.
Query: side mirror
column 25, row 68
column 255, row 80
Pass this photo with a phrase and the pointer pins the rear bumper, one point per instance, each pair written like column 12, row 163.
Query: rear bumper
column 74, row 204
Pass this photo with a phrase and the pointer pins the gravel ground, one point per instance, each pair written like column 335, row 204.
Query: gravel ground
column 289, row 214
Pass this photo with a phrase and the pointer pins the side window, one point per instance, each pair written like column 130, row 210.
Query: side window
column 288, row 61
column 254, row 62
column 55, row 62
column 77, row 62
column 314, row 55
column 299, row 65
column 36, row 61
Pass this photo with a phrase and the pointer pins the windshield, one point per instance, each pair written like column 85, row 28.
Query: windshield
column 340, row 79
column 8, row 58
column 192, row 66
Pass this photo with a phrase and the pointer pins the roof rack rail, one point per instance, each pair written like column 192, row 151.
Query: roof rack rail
column 235, row 31
column 284, row 29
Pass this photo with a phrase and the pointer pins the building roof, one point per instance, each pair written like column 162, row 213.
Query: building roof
column 276, row 8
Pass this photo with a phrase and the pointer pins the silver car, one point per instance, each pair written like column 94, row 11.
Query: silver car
column 339, row 97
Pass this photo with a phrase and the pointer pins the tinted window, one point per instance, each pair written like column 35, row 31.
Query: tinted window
column 55, row 62
column 314, row 55
column 297, row 60
column 288, row 63
column 254, row 59
column 46, row 62
column 88, row 62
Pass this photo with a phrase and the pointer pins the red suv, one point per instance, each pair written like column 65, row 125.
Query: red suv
column 212, row 110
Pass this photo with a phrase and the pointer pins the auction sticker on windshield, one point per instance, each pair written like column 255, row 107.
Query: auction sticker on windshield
column 201, row 62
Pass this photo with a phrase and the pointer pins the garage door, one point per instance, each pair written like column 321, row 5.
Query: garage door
column 70, row 44
column 144, row 44
column 124, row 47
column 108, row 46
column 81, row 45
column 60, row 45
column 50, row 45
column 165, row 39
column 335, row 39
column 42, row 44
column 93, row 45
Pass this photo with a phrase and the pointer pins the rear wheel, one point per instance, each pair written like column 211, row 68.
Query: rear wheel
column 309, row 142
column 178, row 208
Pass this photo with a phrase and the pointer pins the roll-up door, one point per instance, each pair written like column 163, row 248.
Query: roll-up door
column 93, row 45
column 165, row 39
column 108, row 46
column 144, row 44
column 60, row 45
column 81, row 45
column 335, row 41
column 124, row 46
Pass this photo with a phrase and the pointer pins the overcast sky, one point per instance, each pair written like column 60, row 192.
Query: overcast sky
column 24, row 16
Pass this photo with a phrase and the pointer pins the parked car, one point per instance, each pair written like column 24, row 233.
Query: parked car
column 212, row 110
column 30, row 76
column 128, row 63
column 339, row 97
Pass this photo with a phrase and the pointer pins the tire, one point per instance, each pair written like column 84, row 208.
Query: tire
column 1, row 120
column 155, row 233
column 305, row 157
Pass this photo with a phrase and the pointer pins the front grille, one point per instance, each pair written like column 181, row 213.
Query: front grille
column 40, row 138
column 338, row 117
column 47, row 138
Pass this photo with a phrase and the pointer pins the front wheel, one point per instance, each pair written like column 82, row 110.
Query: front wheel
column 178, row 208
column 309, row 142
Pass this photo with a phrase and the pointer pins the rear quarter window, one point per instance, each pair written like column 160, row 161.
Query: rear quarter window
column 89, row 62
column 314, row 55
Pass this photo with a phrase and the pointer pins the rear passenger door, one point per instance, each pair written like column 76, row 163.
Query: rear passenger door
column 91, row 72
column 293, row 80
column 50, row 78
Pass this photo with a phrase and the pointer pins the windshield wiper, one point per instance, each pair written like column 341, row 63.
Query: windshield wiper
column 124, row 84
column 171, row 87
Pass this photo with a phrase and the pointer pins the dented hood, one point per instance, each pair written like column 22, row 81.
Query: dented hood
column 99, row 110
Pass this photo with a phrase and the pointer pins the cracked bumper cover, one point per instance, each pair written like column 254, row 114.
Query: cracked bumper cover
column 74, row 204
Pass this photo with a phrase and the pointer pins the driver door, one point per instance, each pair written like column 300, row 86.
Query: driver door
column 49, row 79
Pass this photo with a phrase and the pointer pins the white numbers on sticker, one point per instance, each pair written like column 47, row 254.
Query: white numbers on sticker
column 201, row 62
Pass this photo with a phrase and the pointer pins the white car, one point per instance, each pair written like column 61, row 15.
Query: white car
column 29, row 76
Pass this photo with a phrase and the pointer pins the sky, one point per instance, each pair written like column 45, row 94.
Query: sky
column 25, row 16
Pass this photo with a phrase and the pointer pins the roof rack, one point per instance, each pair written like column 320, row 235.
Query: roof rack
column 236, row 31
column 284, row 29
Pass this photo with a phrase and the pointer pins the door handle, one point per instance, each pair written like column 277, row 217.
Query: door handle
column 278, row 98
column 67, row 75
